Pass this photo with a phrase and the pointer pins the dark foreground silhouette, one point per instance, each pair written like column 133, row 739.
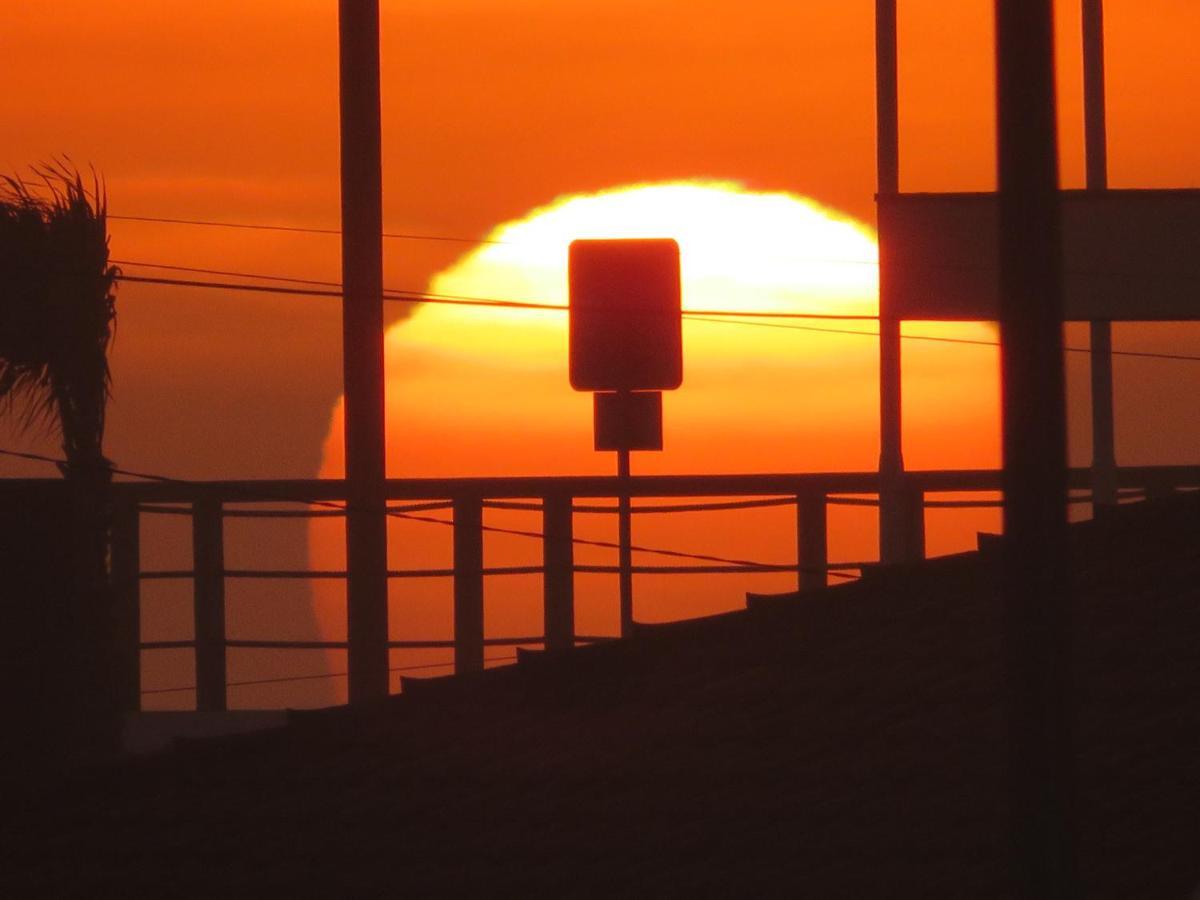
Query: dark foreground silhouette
column 847, row 743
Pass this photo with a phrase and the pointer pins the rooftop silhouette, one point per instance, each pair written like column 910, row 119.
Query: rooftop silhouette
column 842, row 743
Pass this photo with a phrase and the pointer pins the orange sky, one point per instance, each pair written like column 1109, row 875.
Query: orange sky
column 227, row 110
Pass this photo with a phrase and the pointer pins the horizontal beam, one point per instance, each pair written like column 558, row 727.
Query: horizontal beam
column 1128, row 255
column 584, row 486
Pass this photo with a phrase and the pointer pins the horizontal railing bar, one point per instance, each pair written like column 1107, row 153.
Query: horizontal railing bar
column 324, row 490
column 315, row 574
column 252, row 644
column 832, row 499
column 433, row 644
column 535, row 487
column 166, row 574
column 392, row 573
column 683, row 570
column 319, row 513
column 449, row 644
column 657, row 508
column 334, row 574
column 161, row 510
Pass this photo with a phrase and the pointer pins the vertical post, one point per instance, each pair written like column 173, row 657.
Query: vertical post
column 362, row 348
column 558, row 580
column 208, row 564
column 1104, row 460
column 127, row 583
column 913, row 504
column 887, row 98
column 812, row 541
column 468, row 584
column 625, row 540
column 892, row 520
column 1035, row 574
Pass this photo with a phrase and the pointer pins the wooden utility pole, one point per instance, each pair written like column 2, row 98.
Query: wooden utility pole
column 1036, row 582
column 362, row 349
column 894, row 518
column 1104, row 458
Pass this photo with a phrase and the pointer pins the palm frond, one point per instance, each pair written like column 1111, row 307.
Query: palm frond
column 57, row 305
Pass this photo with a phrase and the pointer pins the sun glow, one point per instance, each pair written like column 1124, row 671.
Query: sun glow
column 740, row 251
column 484, row 391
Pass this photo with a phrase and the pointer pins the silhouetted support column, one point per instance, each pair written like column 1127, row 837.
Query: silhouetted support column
column 625, row 542
column 1104, row 457
column 887, row 98
column 893, row 521
column 912, row 508
column 468, row 584
column 1036, row 574
column 127, row 595
column 558, row 580
column 362, row 349
column 1104, row 461
column 812, row 541
column 208, row 563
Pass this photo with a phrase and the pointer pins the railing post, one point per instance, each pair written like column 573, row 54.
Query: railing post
column 812, row 541
column 914, row 511
column 208, row 563
column 127, row 595
column 558, row 581
column 468, row 584
column 1158, row 488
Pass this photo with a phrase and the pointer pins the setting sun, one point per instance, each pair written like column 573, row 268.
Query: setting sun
column 484, row 391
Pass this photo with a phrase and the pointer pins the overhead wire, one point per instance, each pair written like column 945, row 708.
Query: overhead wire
column 298, row 229
column 726, row 317
column 334, row 290
column 1179, row 357
column 459, row 239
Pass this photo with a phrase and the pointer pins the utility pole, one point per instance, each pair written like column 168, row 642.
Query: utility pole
column 362, row 349
column 894, row 517
column 1104, row 458
column 1036, row 573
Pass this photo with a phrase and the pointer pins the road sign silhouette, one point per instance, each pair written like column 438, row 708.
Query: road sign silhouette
column 628, row 420
column 626, row 331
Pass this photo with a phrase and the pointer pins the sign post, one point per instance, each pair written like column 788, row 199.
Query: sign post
column 626, row 346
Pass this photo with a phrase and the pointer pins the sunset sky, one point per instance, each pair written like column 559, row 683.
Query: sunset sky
column 227, row 111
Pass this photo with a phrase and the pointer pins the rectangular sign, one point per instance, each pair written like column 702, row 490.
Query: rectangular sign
column 1128, row 255
column 626, row 330
column 628, row 421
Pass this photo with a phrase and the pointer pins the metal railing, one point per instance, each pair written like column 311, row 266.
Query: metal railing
column 558, row 499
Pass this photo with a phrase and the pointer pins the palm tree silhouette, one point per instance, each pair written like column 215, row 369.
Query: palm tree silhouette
column 57, row 316
column 57, row 311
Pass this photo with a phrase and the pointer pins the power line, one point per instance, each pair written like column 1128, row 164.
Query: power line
column 728, row 317
column 299, row 229
column 393, row 296
column 1181, row 357
column 225, row 273
column 333, row 289
column 413, row 236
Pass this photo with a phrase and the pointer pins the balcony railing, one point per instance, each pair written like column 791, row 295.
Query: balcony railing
column 558, row 499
